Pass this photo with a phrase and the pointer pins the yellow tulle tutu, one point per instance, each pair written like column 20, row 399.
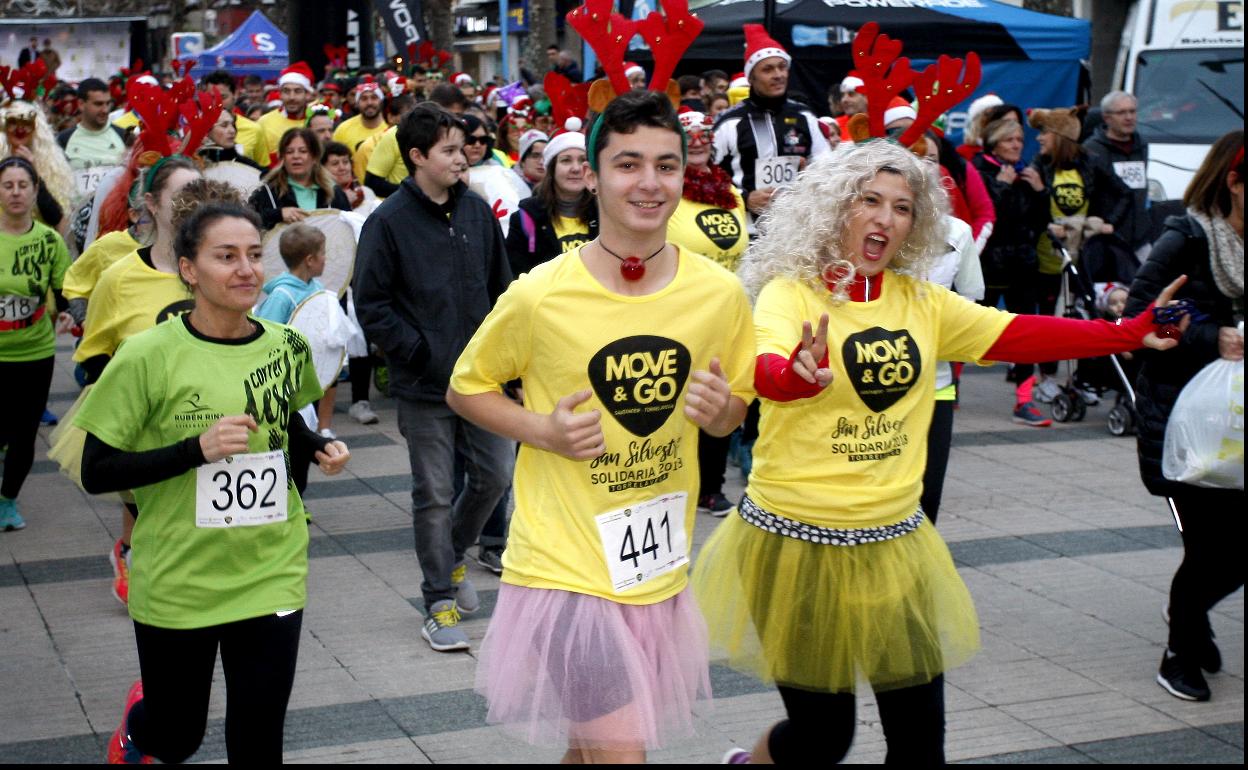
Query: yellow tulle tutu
column 67, row 440
column 893, row 613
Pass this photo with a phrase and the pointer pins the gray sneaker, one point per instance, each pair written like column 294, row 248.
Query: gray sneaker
column 441, row 629
column 362, row 412
column 1044, row 392
column 491, row 559
column 465, row 594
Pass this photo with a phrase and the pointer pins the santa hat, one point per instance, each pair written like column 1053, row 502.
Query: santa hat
column 739, row 81
column 146, row 78
column 368, row 83
column 521, row 105
column 273, row 98
column 691, row 120
column 759, row 45
column 567, row 138
column 530, row 138
column 981, row 105
column 898, row 109
column 299, row 74
column 850, row 83
column 630, row 69
column 462, row 79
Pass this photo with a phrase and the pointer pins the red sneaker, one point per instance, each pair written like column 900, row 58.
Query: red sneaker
column 121, row 750
column 121, row 573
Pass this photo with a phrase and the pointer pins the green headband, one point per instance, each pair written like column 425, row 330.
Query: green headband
column 591, row 146
column 150, row 177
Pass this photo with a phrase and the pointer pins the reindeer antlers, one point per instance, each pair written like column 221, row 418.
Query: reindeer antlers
column 940, row 86
column 199, row 113
column 679, row 27
column 608, row 34
column 884, row 72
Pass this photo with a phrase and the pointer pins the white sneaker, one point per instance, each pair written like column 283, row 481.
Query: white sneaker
column 1089, row 396
column 362, row 412
column 329, row 434
column 1046, row 391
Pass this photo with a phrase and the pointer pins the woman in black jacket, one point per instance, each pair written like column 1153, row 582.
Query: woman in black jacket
column 298, row 184
column 561, row 215
column 1207, row 245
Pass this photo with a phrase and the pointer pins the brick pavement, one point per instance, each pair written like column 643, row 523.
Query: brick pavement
column 1066, row 555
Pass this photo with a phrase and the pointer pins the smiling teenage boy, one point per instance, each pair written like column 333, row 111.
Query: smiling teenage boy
column 431, row 263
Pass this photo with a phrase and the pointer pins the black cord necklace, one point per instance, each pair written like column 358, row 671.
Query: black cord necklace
column 632, row 268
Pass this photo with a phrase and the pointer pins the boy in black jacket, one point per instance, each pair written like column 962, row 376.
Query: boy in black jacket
column 431, row 262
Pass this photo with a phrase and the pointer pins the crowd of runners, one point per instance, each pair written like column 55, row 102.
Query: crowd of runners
column 582, row 299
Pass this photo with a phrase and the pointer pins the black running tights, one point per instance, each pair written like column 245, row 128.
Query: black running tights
column 258, row 656
column 1213, row 538
column 820, row 727
column 23, row 396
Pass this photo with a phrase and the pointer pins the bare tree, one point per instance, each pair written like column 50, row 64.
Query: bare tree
column 541, row 34
column 441, row 24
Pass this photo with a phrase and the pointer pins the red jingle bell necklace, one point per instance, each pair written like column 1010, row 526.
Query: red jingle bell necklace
column 632, row 268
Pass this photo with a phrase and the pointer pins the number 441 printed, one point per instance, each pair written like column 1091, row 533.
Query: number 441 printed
column 644, row 540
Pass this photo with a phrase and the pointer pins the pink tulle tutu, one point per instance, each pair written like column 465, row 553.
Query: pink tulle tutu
column 567, row 669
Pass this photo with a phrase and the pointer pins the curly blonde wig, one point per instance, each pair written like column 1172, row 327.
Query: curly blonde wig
column 803, row 230
column 54, row 172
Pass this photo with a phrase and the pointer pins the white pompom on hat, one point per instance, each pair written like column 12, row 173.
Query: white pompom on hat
column 568, row 138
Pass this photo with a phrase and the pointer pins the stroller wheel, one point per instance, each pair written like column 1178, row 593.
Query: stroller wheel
column 1120, row 421
column 1062, row 407
column 1080, row 409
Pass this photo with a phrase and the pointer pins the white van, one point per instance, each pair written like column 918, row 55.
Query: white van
column 1184, row 61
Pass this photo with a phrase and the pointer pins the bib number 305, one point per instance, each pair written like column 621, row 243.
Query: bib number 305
column 779, row 171
column 644, row 541
column 246, row 490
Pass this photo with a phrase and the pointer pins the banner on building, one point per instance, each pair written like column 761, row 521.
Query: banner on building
column 404, row 21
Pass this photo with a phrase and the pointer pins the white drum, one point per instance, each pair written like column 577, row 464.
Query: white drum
column 339, row 249
column 240, row 176
column 328, row 329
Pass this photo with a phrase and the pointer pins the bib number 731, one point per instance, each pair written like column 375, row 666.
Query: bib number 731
column 246, row 490
column 644, row 541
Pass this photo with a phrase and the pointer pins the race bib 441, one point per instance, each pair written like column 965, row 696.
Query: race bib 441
column 645, row 540
column 247, row 490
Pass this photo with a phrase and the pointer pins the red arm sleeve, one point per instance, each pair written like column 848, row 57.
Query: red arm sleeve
column 1032, row 339
column 774, row 378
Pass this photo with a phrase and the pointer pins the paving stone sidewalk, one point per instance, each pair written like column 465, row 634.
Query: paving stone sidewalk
column 1068, row 559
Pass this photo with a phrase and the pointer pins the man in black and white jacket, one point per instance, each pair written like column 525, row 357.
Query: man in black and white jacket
column 763, row 141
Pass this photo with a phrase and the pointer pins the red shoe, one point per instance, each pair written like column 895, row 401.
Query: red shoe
column 121, row 750
column 121, row 574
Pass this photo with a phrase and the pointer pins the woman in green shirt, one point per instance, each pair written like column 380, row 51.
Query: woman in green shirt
column 198, row 416
column 298, row 184
column 33, row 260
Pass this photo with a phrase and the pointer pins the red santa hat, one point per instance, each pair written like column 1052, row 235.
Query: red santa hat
column 273, row 98
column 691, row 120
column 898, row 109
column 462, row 79
column 567, row 138
column 630, row 68
column 299, row 74
column 759, row 45
column 368, row 83
column 850, row 83
column 739, row 81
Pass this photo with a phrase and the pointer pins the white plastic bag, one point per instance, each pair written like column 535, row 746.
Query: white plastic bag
column 1205, row 435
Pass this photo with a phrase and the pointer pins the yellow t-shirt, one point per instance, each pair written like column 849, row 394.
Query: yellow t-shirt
column 84, row 273
column 705, row 229
column 561, row 331
column 275, row 123
column 254, row 140
column 386, row 162
column 130, row 297
column 352, row 131
column 363, row 153
column 1067, row 198
column 853, row 456
column 572, row 233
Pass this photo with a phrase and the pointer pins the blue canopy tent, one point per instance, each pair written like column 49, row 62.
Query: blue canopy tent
column 1030, row 59
column 257, row 47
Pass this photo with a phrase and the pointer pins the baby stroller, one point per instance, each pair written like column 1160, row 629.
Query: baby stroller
column 1097, row 375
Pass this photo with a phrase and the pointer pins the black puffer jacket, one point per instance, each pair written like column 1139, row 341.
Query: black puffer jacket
column 1009, row 257
column 531, row 238
column 1181, row 250
column 268, row 204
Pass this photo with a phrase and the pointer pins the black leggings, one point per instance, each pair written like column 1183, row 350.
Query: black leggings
column 939, row 439
column 1213, row 537
column 820, row 727
column 24, row 389
column 361, row 371
column 712, row 462
column 258, row 656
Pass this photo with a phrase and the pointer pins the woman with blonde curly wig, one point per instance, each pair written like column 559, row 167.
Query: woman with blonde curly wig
column 829, row 574
column 27, row 134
